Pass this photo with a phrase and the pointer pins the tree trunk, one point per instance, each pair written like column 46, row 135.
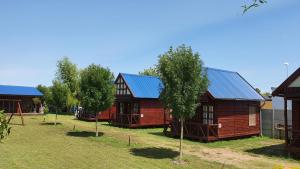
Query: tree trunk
column 181, row 139
column 96, row 125
column 55, row 117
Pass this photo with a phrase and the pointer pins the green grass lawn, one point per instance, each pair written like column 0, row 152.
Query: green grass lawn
column 42, row 145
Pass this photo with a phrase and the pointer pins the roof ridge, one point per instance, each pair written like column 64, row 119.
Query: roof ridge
column 139, row 75
column 222, row 70
column 17, row 86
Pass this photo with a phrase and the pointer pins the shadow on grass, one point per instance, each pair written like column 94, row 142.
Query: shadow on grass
column 50, row 123
column 154, row 153
column 16, row 124
column 162, row 134
column 83, row 134
column 158, row 133
column 271, row 151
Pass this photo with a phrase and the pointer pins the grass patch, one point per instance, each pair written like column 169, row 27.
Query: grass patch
column 40, row 145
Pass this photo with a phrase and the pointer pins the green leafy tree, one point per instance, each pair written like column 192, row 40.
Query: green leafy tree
column 36, row 101
column 152, row 71
column 47, row 95
column 257, row 90
column 67, row 73
column 184, row 79
column 60, row 94
column 97, row 90
column 46, row 99
column 71, row 101
column 267, row 94
column 4, row 128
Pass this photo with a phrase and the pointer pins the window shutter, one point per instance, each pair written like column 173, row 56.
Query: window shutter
column 252, row 116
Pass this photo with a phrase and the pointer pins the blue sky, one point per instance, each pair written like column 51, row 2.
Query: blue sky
column 128, row 36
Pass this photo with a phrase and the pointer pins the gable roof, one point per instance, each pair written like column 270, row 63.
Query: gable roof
column 230, row 85
column 280, row 91
column 223, row 84
column 142, row 86
column 19, row 91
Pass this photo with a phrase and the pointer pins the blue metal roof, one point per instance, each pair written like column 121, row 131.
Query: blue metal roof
column 229, row 85
column 19, row 91
column 223, row 84
column 143, row 86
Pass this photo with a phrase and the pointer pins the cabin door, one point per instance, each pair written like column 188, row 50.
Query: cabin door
column 124, row 112
column 126, row 108
column 135, row 107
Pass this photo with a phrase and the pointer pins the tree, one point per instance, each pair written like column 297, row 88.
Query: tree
column 4, row 128
column 184, row 80
column 258, row 90
column 36, row 101
column 67, row 73
column 46, row 99
column 60, row 94
column 254, row 4
column 47, row 95
column 96, row 90
column 267, row 94
column 71, row 101
column 152, row 71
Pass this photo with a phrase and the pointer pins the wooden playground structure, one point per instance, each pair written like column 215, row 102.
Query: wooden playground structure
column 12, row 107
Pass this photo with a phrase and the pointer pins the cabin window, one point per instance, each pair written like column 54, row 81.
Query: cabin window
column 211, row 115
column 121, row 108
column 252, row 116
column 136, row 108
column 204, row 114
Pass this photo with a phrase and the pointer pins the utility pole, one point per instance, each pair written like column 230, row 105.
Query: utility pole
column 287, row 69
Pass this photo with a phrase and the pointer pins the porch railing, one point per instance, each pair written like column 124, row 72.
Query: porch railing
column 127, row 119
column 196, row 130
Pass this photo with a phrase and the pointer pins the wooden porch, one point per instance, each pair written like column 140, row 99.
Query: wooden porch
column 290, row 90
column 194, row 130
column 127, row 120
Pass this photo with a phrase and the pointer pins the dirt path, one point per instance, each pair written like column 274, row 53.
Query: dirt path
column 230, row 157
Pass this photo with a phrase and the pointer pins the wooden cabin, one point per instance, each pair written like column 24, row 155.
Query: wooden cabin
column 106, row 115
column 137, row 101
column 290, row 90
column 229, row 109
column 12, row 96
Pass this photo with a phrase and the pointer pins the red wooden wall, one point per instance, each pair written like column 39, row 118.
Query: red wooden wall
column 152, row 112
column 108, row 114
column 234, row 118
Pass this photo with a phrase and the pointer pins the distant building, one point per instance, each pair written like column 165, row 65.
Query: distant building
column 13, row 96
column 272, row 116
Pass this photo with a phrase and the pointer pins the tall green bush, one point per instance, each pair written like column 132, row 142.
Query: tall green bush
column 4, row 127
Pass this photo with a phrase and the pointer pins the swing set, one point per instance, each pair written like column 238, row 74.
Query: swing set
column 13, row 107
